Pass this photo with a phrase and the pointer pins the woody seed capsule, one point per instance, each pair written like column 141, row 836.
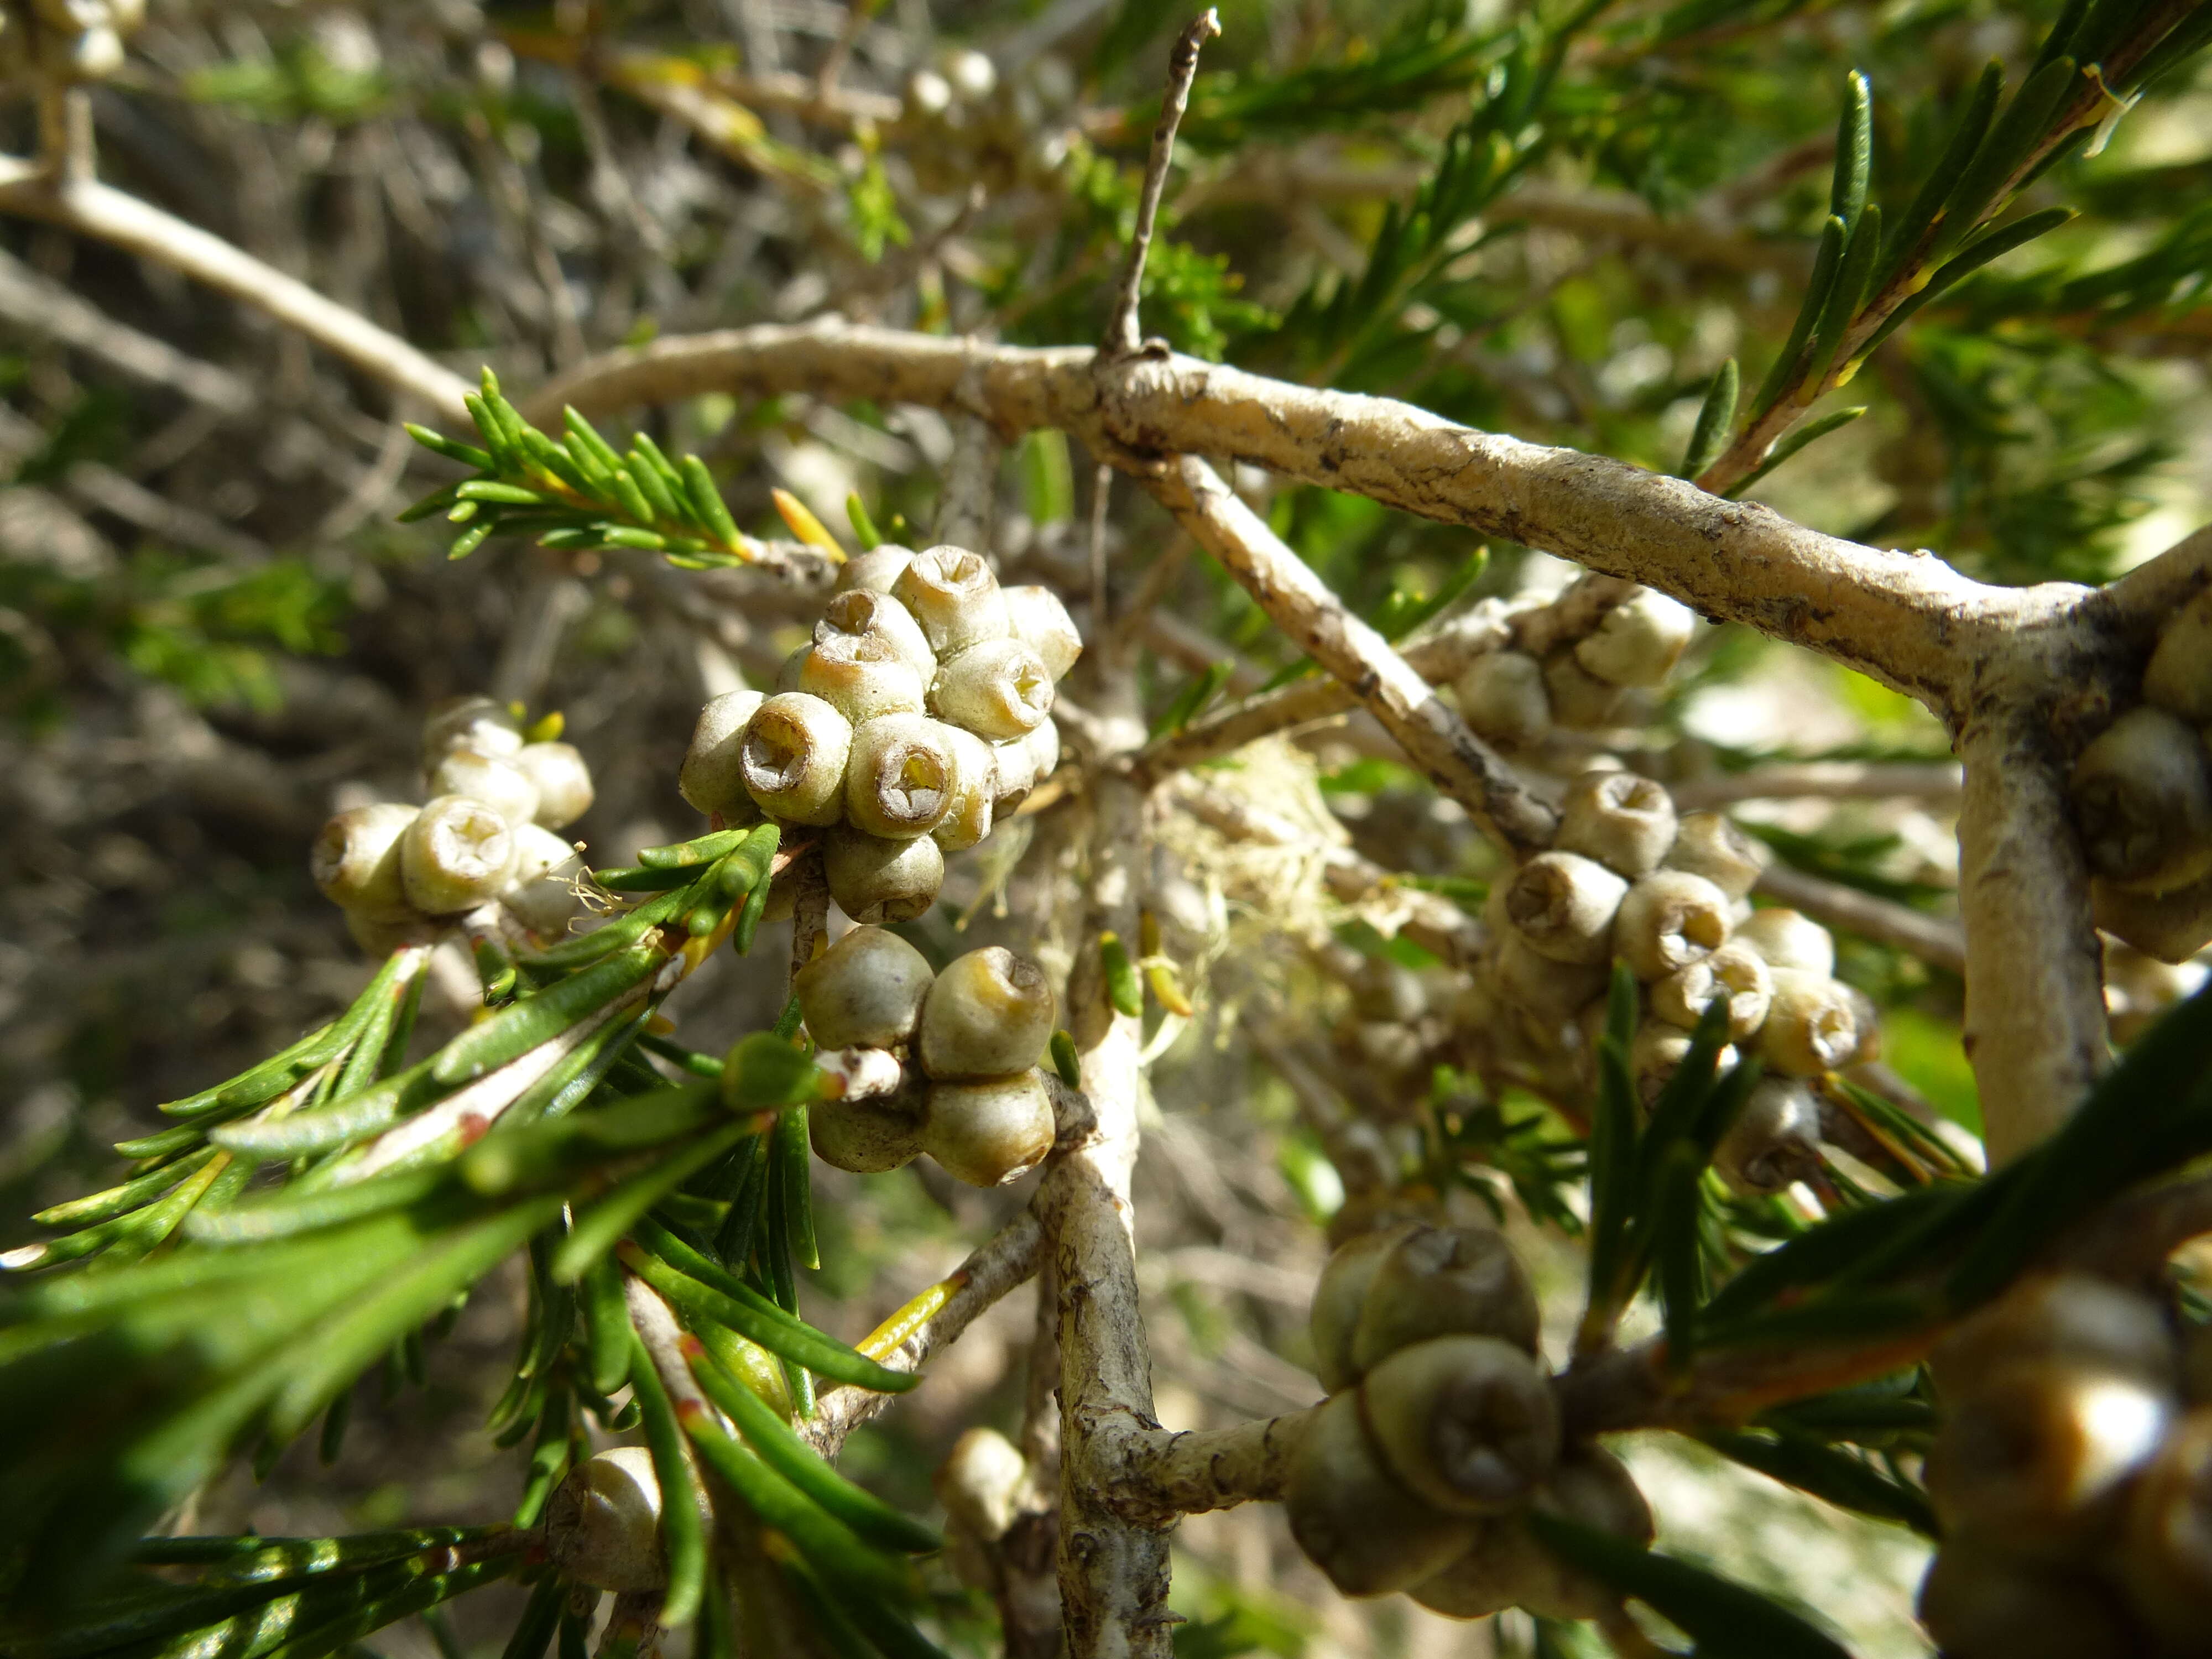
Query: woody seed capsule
column 1469, row 1423
column 1502, row 696
column 955, row 598
column 1657, row 1054
column 2178, row 677
column 863, row 1136
column 713, row 779
column 1734, row 971
column 1625, row 823
column 1578, row 697
column 602, row 1522
column 967, row 821
column 2165, row 1555
column 989, row 1131
column 1508, row 1568
column 562, row 779
column 864, row 991
column 468, row 722
column 1775, row 1140
column 1670, row 920
column 1563, row 905
column 1355, row 1521
column 1788, row 939
column 456, row 853
column 864, row 613
column 356, row 861
column 2068, row 1318
column 2171, row 926
column 990, row 1012
column 861, row 676
column 792, row 759
column 497, row 782
column 2142, row 792
column 1810, row 1025
column 875, row 880
column 1983, row 1602
column 877, row 571
column 900, row 777
column 1710, row 844
column 1444, row 1281
column 998, row 689
column 1341, row 1294
column 540, row 894
column 1040, row 622
column 1639, row 642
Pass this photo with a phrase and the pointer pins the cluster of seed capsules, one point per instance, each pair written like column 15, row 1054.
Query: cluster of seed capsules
column 2072, row 1477
column 1441, row 1432
column 1626, row 879
column 922, row 708
column 67, row 39
column 487, row 836
column 2142, row 796
column 974, row 1033
column 1573, row 664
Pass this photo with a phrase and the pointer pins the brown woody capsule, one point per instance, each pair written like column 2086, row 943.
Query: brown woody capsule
column 967, row 819
column 1670, row 920
column 356, row 861
column 1786, row 939
column 1710, row 844
column 454, row 855
column 1639, row 642
column 863, row 1136
column 713, row 779
column 1775, row 1140
column 864, row 991
column 1982, row 1602
column 878, row 570
column 1502, row 696
column 2165, row 1556
column 998, row 689
column 1444, row 1281
column 1354, row 1521
column 875, row 880
column 495, row 780
column 955, row 598
column 1563, row 905
column 989, row 1131
column 2173, row 926
column 1040, row 622
column 2033, row 1454
column 989, row 1013
column 863, row 613
column 602, row 1522
column 1735, row 971
column 542, row 894
column 1811, row 1027
column 792, row 759
column 2178, row 677
column 862, row 677
column 1625, row 823
column 1340, row 1294
column 900, row 775
column 1468, row 1424
column 2142, row 792
column 470, row 722
column 1578, row 698
column 2074, row 1318
column 562, row 779
column 1589, row 1485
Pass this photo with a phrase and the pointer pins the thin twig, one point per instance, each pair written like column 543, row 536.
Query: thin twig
column 1932, row 939
column 1122, row 337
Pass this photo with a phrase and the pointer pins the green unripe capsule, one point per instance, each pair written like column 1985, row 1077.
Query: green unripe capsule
column 989, row 1014
column 1441, row 1281
column 864, row 991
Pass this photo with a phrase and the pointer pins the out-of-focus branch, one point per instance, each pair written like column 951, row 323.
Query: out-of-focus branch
column 1297, row 600
column 1937, row 783
column 1931, row 938
column 93, row 210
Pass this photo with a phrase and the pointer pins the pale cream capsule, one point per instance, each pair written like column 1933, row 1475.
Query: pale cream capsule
column 1625, row 823
column 562, row 779
column 990, row 1131
column 602, row 1522
column 998, row 689
column 1710, row 844
column 2143, row 793
column 863, row 613
column 713, row 777
column 1734, row 971
column 356, row 861
column 900, row 776
column 1552, row 990
column 1357, row 1522
column 864, row 991
column 1014, row 772
column 2178, row 677
column 542, row 893
column 1775, row 1140
column 968, row 820
column 1563, row 905
column 981, row 1482
column 955, row 598
column 1043, row 746
column 1811, row 1026
column 1040, row 622
column 792, row 759
column 875, row 880
column 1469, row 1423
column 496, row 781
column 475, row 722
column 1501, row 695
column 989, row 1013
column 1788, row 939
column 1670, row 920
column 877, row 571
column 1578, row 697
column 455, row 854
column 786, row 676
column 862, row 677
column 1639, row 641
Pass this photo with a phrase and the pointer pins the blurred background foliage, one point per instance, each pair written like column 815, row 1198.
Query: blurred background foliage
column 1555, row 222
